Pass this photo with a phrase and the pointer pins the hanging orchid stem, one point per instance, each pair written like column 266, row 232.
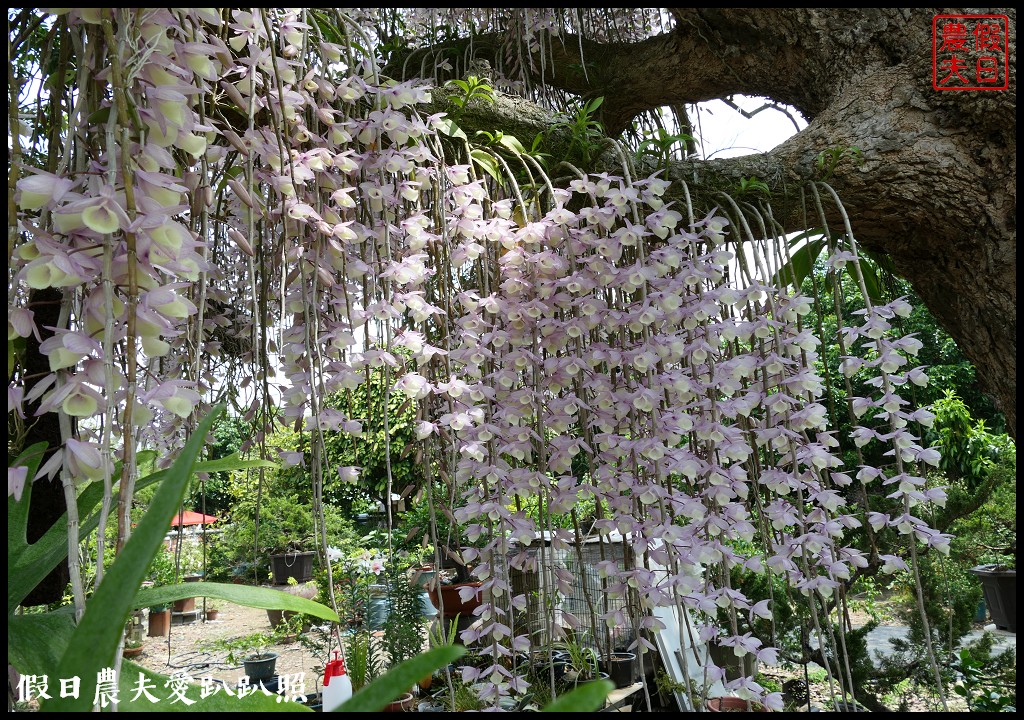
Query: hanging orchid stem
column 886, row 387
column 128, row 472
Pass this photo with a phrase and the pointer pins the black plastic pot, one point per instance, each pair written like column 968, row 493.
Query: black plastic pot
column 261, row 668
column 1000, row 587
column 621, row 669
column 315, row 702
column 298, row 565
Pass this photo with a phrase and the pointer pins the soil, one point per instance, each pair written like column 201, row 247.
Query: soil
column 186, row 649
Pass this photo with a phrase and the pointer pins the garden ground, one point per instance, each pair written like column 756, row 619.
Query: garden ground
column 187, row 651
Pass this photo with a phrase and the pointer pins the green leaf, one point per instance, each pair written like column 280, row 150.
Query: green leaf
column 487, row 162
column 871, row 282
column 460, row 84
column 32, row 657
column 26, row 653
column 96, row 638
column 218, row 702
column 448, row 127
column 512, row 143
column 255, row 597
column 585, row 698
column 397, row 681
column 18, row 585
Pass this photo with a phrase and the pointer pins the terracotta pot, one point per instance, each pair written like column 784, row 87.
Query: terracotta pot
column 452, row 600
column 734, row 704
column 159, row 623
column 212, row 614
column 186, row 605
column 406, row 703
column 131, row 652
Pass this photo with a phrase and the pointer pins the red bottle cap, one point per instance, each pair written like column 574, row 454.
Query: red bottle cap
column 334, row 668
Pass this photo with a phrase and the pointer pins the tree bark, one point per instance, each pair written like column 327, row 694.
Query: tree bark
column 937, row 187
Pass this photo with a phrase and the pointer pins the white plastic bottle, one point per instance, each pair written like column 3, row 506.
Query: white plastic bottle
column 337, row 685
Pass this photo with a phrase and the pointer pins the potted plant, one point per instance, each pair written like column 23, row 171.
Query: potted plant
column 212, row 612
column 441, row 633
column 621, row 668
column 132, row 648
column 360, row 660
column 581, row 663
column 252, row 652
column 452, row 590
column 460, row 698
column 132, row 639
column 403, row 631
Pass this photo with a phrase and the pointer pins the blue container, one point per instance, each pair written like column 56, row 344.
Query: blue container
column 427, row 608
column 378, row 607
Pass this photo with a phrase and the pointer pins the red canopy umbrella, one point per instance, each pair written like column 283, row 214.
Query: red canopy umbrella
column 193, row 518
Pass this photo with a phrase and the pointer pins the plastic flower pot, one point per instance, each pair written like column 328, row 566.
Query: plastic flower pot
column 298, row 565
column 260, row 668
column 622, row 669
column 1000, row 587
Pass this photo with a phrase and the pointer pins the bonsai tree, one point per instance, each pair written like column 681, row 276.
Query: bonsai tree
column 255, row 646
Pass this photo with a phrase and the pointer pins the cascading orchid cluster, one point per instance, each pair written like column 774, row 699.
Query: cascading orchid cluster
column 596, row 352
column 77, row 227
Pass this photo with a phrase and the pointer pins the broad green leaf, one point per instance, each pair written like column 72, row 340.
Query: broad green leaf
column 512, row 143
column 26, row 650
column 256, row 597
column 801, row 260
column 29, row 656
column 167, row 701
column 18, row 586
column 585, row 698
column 397, row 681
column 448, row 127
column 96, row 638
column 871, row 282
column 486, row 161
